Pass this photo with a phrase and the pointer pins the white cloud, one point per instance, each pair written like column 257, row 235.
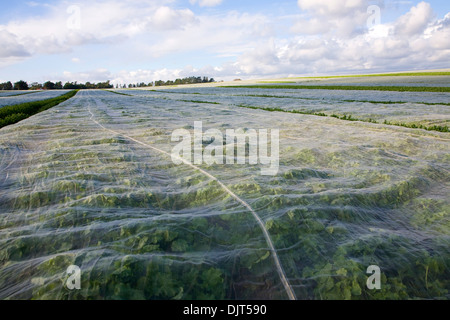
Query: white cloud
column 377, row 50
column 97, row 75
column 10, row 47
column 415, row 21
column 380, row 49
column 330, row 37
column 166, row 18
column 333, row 8
column 146, row 76
column 311, row 26
column 341, row 18
column 118, row 21
column 229, row 34
column 206, row 3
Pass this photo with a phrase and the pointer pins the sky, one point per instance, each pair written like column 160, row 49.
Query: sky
column 128, row 41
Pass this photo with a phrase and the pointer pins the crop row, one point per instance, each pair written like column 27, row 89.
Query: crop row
column 341, row 87
column 346, row 117
column 15, row 113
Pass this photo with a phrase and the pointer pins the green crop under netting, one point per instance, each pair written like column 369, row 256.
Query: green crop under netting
column 91, row 183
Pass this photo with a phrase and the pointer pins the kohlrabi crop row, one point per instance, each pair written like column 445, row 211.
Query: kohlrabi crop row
column 91, row 183
column 9, row 98
column 10, row 93
column 414, row 109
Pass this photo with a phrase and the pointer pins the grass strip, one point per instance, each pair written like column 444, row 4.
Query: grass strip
column 399, row 74
column 197, row 101
column 193, row 93
column 323, row 87
column 281, row 82
column 349, row 117
column 271, row 96
column 123, row 94
column 417, row 126
column 399, row 102
column 362, row 101
column 15, row 113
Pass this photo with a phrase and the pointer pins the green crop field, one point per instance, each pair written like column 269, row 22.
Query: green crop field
column 87, row 179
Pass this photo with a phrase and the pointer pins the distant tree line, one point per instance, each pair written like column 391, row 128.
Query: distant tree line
column 133, row 85
column 22, row 85
column 188, row 80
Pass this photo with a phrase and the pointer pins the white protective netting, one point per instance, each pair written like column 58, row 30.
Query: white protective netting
column 91, row 183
